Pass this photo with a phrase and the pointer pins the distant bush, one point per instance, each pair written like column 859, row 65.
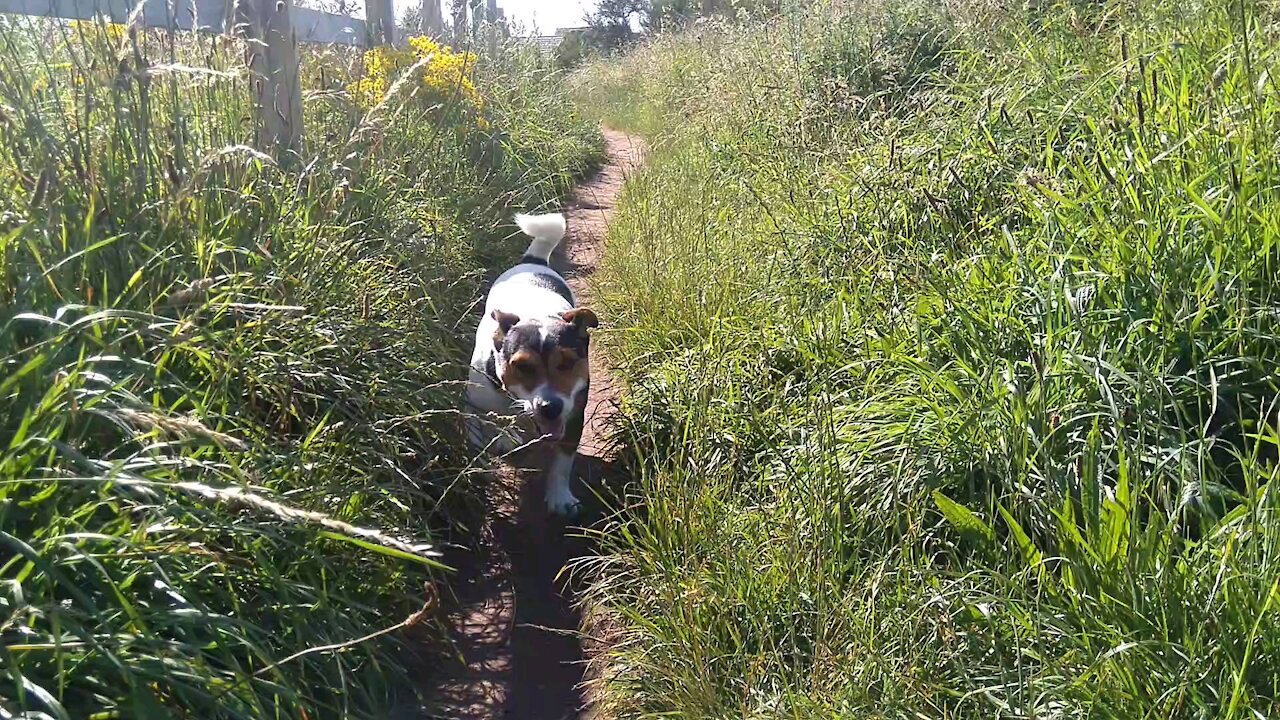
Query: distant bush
column 675, row 15
column 573, row 50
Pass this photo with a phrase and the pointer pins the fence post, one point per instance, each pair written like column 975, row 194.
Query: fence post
column 432, row 19
column 273, row 68
column 380, row 16
column 460, row 32
column 491, row 20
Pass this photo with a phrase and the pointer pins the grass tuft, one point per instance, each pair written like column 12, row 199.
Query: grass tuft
column 229, row 441
column 950, row 339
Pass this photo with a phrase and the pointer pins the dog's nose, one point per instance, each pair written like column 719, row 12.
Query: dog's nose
column 551, row 409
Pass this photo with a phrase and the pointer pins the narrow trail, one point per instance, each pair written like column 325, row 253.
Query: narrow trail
column 512, row 617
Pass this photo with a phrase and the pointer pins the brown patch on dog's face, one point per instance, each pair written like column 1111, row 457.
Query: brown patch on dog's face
column 524, row 370
column 537, row 356
column 565, row 367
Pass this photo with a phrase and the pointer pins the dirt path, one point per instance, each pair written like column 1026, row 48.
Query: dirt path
column 519, row 655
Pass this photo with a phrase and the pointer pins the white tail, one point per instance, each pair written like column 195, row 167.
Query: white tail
column 546, row 230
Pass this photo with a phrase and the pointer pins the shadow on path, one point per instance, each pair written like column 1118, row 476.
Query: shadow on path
column 511, row 614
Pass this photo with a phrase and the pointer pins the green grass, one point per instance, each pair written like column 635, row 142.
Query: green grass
column 951, row 342
column 227, row 390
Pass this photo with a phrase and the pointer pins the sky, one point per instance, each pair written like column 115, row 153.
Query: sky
column 547, row 15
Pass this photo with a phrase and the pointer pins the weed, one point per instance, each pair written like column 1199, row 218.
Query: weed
column 960, row 402
column 228, row 436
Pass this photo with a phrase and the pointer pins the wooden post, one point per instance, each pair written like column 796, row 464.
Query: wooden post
column 381, row 18
column 460, row 32
column 273, row 67
column 432, row 19
column 491, row 25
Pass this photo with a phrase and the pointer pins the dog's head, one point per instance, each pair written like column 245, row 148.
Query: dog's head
column 542, row 363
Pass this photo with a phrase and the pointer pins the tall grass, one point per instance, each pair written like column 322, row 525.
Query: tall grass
column 227, row 389
column 950, row 334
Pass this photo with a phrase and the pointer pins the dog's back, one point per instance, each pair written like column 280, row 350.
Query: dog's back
column 532, row 288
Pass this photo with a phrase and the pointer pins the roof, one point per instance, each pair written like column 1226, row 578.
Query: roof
column 548, row 43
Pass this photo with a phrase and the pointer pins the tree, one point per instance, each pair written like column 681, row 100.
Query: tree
column 621, row 12
column 666, row 15
column 610, row 28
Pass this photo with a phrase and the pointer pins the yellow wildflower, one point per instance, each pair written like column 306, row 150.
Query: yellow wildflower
column 112, row 33
column 446, row 77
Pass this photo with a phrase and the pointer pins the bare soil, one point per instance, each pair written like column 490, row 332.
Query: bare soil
column 518, row 649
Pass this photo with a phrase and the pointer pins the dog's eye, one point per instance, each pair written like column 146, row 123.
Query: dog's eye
column 524, row 367
column 567, row 365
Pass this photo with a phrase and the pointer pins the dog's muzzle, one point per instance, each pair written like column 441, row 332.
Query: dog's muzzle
column 548, row 415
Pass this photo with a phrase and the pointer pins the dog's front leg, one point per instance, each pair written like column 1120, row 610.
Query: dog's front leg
column 560, row 497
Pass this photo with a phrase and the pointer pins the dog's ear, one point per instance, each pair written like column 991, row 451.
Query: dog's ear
column 581, row 318
column 506, row 321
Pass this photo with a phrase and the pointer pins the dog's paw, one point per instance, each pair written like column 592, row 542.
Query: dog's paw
column 562, row 502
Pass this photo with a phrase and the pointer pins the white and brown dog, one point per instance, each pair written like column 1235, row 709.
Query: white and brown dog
column 531, row 347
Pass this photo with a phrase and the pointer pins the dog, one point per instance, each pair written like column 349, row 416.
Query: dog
column 530, row 359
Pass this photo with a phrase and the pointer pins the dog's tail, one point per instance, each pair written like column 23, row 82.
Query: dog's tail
column 546, row 230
